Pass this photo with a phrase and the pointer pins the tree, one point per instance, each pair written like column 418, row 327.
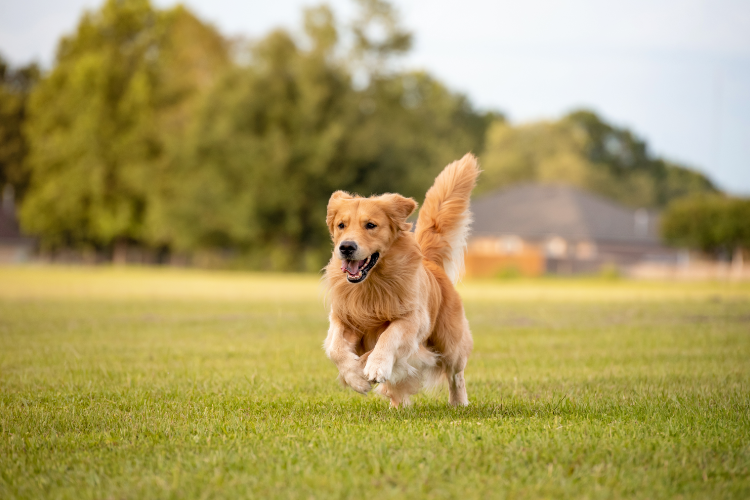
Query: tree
column 378, row 37
column 408, row 127
column 15, row 86
column 101, row 122
column 626, row 157
column 709, row 223
column 276, row 137
column 259, row 161
column 584, row 151
column 145, row 132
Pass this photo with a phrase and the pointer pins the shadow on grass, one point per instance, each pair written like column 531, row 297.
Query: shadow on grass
column 361, row 410
column 371, row 409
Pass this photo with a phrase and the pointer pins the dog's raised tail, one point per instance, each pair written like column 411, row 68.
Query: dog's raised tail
column 443, row 223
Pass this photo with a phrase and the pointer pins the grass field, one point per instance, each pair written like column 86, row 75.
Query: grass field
column 142, row 383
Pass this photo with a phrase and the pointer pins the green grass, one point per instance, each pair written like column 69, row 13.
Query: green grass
column 186, row 384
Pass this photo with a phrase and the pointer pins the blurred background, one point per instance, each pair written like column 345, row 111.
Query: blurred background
column 615, row 137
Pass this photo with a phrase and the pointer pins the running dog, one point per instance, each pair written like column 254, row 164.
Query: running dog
column 396, row 319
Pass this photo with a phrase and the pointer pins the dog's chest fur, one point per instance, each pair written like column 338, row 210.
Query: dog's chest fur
column 388, row 293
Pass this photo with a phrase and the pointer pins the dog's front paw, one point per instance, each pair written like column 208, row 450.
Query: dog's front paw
column 356, row 380
column 378, row 369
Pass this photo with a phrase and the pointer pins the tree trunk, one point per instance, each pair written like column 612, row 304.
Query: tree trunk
column 737, row 262
column 120, row 252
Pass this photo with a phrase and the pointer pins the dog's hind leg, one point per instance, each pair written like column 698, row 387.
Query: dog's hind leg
column 455, row 371
column 457, row 388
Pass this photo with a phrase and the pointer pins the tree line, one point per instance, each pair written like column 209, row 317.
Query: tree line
column 154, row 130
column 716, row 225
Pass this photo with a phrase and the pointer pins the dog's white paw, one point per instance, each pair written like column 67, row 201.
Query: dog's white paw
column 356, row 380
column 378, row 369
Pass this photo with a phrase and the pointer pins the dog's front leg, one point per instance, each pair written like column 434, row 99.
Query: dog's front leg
column 400, row 340
column 342, row 351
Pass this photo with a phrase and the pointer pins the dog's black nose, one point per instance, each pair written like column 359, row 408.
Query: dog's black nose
column 347, row 248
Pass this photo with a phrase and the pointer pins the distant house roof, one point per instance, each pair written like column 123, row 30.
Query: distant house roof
column 535, row 211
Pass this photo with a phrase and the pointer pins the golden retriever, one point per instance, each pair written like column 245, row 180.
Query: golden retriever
column 396, row 318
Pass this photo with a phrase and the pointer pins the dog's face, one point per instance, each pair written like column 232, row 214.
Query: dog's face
column 363, row 229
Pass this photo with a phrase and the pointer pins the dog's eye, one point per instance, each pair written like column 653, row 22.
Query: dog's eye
column 341, row 225
column 370, row 225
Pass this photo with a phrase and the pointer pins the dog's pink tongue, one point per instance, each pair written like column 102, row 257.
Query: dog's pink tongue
column 352, row 266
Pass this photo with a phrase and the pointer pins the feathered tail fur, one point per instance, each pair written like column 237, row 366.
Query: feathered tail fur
column 443, row 223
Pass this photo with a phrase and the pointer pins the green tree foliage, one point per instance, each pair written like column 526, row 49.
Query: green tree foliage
column 100, row 124
column 378, row 37
column 408, row 127
column 145, row 131
column 263, row 154
column 584, row 151
column 15, row 86
column 276, row 137
column 708, row 223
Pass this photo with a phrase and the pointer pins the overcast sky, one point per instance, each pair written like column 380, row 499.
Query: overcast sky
column 677, row 72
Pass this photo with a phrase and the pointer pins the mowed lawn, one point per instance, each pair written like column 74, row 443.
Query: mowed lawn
column 140, row 383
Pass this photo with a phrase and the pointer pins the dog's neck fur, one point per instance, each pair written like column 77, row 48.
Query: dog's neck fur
column 386, row 295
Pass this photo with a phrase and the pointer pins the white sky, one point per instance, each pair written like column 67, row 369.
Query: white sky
column 677, row 72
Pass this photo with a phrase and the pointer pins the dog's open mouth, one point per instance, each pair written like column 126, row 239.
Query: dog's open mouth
column 356, row 270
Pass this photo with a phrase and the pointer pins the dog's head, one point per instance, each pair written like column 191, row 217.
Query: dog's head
column 363, row 229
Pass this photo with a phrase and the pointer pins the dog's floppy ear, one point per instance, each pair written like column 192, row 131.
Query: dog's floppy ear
column 398, row 208
column 333, row 205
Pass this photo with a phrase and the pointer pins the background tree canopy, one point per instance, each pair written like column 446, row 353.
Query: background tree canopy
column 582, row 150
column 102, row 122
column 711, row 223
column 15, row 87
column 153, row 130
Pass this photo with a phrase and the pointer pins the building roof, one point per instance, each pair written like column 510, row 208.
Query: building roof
column 537, row 212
